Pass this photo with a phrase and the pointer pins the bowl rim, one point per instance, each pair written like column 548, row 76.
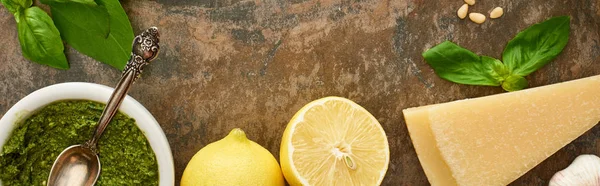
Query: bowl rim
column 99, row 93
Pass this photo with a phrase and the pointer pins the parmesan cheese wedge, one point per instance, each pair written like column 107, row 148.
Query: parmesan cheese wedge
column 494, row 140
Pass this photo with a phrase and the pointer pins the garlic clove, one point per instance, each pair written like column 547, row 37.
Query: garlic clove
column 584, row 171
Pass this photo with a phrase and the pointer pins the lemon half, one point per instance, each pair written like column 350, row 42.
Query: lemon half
column 334, row 141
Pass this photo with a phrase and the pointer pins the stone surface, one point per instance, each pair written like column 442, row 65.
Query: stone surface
column 253, row 64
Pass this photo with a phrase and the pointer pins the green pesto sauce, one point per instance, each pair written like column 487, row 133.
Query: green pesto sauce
column 125, row 155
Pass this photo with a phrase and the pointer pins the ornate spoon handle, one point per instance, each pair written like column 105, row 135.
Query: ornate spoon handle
column 145, row 48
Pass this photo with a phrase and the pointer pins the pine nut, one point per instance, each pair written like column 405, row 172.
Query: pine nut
column 477, row 17
column 496, row 13
column 470, row 2
column 462, row 11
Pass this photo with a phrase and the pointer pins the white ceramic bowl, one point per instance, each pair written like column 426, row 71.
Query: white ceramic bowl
column 99, row 93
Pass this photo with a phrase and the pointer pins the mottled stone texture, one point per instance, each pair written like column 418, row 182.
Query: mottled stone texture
column 253, row 64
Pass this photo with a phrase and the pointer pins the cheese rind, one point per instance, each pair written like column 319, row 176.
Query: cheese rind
column 494, row 140
column 434, row 166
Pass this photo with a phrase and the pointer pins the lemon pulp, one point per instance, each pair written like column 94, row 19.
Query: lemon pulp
column 334, row 141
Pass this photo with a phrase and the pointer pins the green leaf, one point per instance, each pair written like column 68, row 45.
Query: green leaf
column 514, row 83
column 90, row 18
column 14, row 6
column 113, row 50
column 494, row 68
column 537, row 45
column 459, row 65
column 40, row 40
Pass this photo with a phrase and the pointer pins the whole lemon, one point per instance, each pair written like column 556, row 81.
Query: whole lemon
column 233, row 160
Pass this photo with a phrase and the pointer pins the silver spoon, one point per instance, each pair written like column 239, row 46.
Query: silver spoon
column 79, row 165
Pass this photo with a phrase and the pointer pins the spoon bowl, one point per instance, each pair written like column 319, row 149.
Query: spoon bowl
column 81, row 167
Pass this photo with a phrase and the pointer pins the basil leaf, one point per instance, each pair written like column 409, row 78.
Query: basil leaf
column 494, row 68
column 40, row 40
column 459, row 65
column 90, row 18
column 14, row 6
column 113, row 50
column 537, row 45
column 514, row 83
